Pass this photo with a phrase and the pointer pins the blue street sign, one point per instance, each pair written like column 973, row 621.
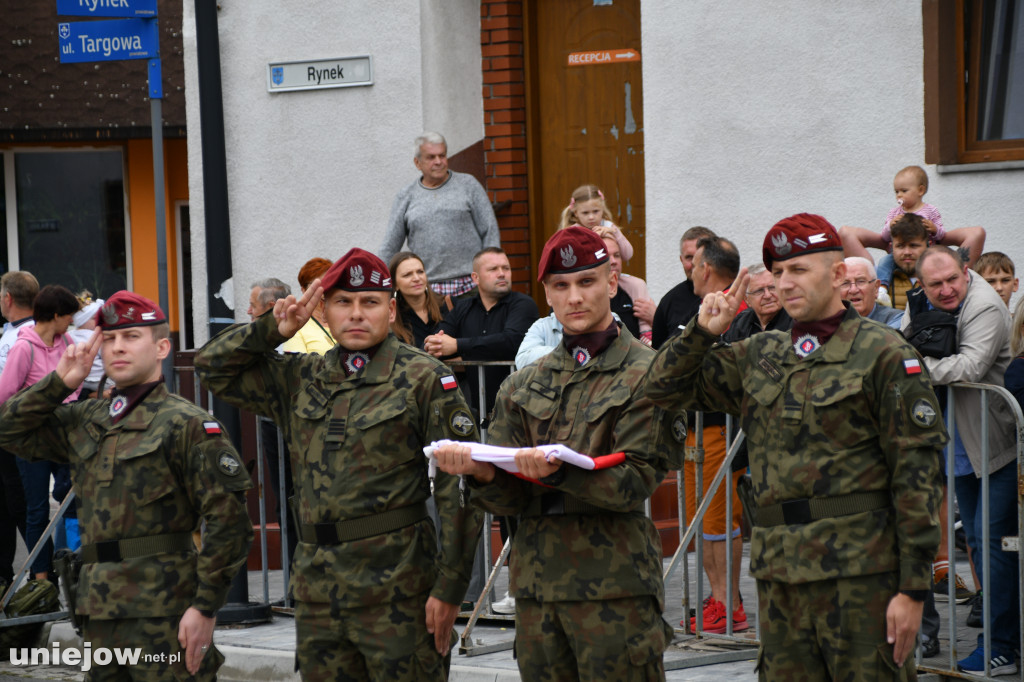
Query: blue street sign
column 105, row 41
column 138, row 9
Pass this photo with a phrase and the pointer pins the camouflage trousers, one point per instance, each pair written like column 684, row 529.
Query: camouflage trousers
column 613, row 639
column 161, row 656
column 828, row 630
column 388, row 643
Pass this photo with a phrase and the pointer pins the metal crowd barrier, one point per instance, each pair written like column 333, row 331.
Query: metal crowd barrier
column 740, row 647
column 696, row 454
column 482, row 607
column 1009, row 544
column 26, row 568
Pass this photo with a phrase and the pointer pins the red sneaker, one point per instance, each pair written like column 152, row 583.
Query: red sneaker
column 715, row 618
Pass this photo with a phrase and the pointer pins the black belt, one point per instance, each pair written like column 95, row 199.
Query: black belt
column 135, row 548
column 335, row 533
column 794, row 512
column 554, row 504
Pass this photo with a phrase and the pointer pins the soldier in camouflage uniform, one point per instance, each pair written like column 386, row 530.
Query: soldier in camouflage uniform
column 376, row 597
column 149, row 469
column 586, row 562
column 844, row 432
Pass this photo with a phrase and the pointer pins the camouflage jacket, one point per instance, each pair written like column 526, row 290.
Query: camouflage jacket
column 597, row 409
column 858, row 414
column 356, row 450
column 159, row 470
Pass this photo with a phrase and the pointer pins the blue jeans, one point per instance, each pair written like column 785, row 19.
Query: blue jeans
column 1004, row 592
column 35, row 479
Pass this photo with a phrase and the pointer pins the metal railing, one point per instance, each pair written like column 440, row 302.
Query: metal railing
column 26, row 568
column 482, row 607
column 689, row 531
column 1014, row 544
column 1009, row 544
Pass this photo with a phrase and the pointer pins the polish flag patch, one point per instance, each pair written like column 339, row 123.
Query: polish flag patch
column 448, row 383
column 211, row 428
column 912, row 366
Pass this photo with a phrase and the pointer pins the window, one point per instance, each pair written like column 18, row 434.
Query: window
column 974, row 80
column 68, row 223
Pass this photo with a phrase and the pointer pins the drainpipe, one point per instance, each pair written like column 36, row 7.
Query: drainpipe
column 238, row 608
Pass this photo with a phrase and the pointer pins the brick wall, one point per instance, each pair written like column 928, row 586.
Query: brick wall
column 504, row 95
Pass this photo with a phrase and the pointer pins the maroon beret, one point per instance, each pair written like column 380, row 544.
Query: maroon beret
column 126, row 309
column 797, row 235
column 357, row 270
column 570, row 250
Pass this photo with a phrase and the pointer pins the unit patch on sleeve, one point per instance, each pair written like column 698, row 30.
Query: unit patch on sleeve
column 679, row 429
column 460, row 421
column 228, row 463
column 923, row 413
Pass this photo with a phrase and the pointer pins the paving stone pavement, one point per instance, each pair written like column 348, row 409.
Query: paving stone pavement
column 266, row 651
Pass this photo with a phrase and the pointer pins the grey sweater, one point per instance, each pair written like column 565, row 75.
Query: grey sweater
column 445, row 226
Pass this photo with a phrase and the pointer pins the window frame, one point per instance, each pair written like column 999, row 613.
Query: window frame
column 10, row 220
column 951, row 94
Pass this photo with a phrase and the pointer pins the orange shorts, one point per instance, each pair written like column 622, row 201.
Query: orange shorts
column 714, row 455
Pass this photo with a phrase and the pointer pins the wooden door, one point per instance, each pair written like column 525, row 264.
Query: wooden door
column 585, row 122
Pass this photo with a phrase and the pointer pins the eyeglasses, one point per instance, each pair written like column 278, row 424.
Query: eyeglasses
column 858, row 283
column 758, row 293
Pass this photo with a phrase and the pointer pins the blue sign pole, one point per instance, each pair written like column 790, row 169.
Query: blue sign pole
column 104, row 41
column 137, row 9
column 156, row 93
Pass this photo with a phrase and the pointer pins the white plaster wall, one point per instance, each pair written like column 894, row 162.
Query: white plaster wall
column 756, row 111
column 314, row 173
column 196, row 203
column 452, row 76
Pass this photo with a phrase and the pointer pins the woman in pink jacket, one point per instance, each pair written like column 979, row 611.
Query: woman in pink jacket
column 35, row 354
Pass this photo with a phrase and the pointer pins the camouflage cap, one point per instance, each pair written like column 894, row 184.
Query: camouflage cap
column 571, row 250
column 797, row 235
column 126, row 309
column 357, row 270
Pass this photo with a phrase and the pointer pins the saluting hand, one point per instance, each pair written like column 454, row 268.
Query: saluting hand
column 76, row 362
column 718, row 309
column 291, row 314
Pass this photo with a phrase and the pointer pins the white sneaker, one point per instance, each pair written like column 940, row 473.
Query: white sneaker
column 506, row 606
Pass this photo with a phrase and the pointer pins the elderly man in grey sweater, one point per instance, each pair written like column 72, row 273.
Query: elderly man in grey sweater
column 445, row 217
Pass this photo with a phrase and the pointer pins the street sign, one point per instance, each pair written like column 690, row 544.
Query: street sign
column 593, row 57
column 137, row 9
column 104, row 41
column 344, row 72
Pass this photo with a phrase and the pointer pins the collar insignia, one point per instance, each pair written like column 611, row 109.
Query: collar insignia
column 118, row 405
column 356, row 361
column 806, row 344
column 581, row 355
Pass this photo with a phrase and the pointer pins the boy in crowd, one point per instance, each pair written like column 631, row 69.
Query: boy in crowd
column 996, row 268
